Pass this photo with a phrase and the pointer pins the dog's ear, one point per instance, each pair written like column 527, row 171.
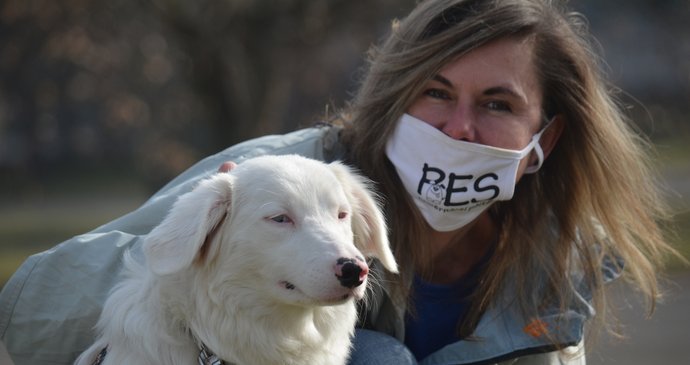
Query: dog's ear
column 174, row 244
column 368, row 223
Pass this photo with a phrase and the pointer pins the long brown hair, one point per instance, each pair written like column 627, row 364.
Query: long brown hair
column 594, row 199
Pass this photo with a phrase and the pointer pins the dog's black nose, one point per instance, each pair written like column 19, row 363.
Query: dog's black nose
column 350, row 272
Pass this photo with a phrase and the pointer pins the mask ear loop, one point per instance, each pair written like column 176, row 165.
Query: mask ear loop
column 540, row 159
column 537, row 149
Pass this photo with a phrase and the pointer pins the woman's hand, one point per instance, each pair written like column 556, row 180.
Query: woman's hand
column 227, row 166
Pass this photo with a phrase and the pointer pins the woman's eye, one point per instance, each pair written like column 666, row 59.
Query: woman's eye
column 500, row 106
column 437, row 94
column 282, row 218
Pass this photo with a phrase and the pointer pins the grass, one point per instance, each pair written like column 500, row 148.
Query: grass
column 19, row 237
column 36, row 222
column 674, row 160
column 680, row 239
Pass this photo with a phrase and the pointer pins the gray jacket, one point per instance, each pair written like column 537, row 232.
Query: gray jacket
column 50, row 305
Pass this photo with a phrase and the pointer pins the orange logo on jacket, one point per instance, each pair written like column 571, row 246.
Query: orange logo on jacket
column 536, row 328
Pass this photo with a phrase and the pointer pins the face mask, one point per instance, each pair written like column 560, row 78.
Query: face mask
column 451, row 181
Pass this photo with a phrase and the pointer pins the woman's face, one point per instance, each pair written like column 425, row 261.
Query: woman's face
column 489, row 96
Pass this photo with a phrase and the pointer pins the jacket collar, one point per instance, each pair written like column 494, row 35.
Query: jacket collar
column 503, row 332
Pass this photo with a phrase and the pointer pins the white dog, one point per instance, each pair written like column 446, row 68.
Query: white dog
column 261, row 265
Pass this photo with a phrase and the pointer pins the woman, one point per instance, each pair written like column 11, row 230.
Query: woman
column 498, row 73
column 512, row 183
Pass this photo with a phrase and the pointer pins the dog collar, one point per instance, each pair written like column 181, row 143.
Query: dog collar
column 101, row 356
column 206, row 357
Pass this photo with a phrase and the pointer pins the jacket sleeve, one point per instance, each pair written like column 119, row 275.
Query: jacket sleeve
column 49, row 307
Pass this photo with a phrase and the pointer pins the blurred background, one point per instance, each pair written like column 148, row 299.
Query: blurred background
column 102, row 102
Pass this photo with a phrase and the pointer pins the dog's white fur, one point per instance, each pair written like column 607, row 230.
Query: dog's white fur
column 244, row 264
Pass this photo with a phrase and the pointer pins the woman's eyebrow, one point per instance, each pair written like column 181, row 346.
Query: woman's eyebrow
column 502, row 90
column 442, row 80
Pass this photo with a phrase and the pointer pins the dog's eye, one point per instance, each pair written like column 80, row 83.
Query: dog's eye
column 282, row 218
column 342, row 215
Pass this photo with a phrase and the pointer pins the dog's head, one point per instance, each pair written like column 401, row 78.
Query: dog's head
column 291, row 228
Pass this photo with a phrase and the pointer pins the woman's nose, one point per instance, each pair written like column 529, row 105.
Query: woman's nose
column 459, row 125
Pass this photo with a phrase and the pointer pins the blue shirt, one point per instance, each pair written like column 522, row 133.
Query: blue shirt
column 437, row 311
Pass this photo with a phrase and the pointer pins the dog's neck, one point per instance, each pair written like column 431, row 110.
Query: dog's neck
column 290, row 326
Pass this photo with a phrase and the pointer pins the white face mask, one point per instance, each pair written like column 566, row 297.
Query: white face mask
column 452, row 181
